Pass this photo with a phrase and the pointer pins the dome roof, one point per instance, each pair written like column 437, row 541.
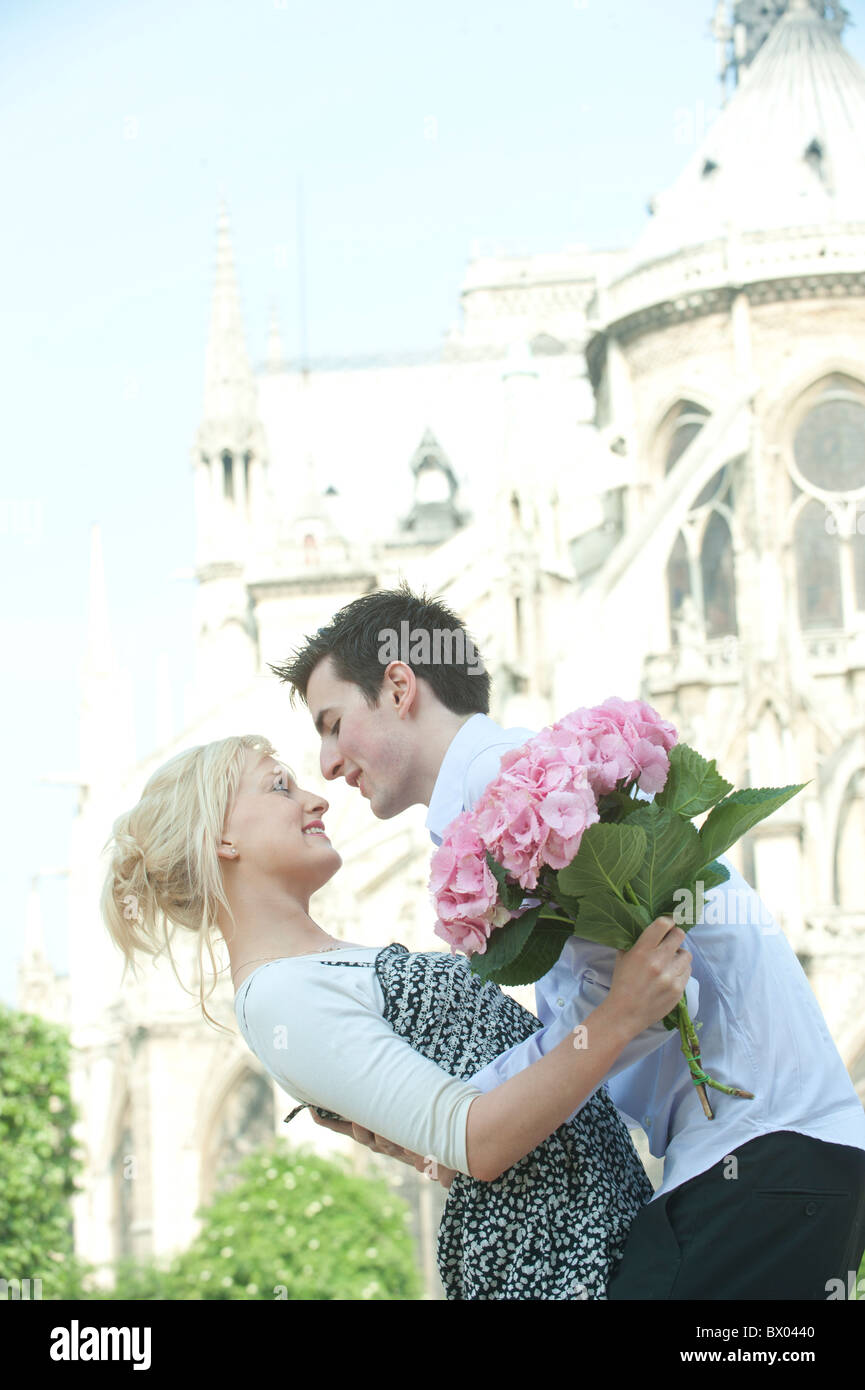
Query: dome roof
column 787, row 151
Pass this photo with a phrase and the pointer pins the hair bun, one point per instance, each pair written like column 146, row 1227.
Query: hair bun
column 129, row 845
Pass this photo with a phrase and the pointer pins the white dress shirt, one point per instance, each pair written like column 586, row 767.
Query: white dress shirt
column 762, row 1028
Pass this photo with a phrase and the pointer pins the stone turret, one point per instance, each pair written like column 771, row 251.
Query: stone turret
column 229, row 463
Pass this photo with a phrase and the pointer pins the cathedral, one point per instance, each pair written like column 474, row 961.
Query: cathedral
column 634, row 472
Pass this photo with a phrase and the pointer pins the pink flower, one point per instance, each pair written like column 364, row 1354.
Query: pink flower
column 536, row 812
column 468, row 935
column 568, row 815
column 636, row 718
column 621, row 741
column 460, row 880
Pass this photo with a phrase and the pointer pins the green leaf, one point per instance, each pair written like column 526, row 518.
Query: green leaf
column 537, row 957
column 610, row 921
column 562, row 903
column 673, row 854
column 510, row 895
column 685, row 905
column 607, row 857
column 739, row 813
column 693, row 784
column 505, row 944
column 713, row 874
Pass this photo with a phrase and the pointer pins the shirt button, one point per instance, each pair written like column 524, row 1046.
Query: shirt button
column 561, row 1003
column 810, row 1208
column 647, row 1120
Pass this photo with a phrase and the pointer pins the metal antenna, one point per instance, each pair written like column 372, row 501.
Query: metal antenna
column 301, row 280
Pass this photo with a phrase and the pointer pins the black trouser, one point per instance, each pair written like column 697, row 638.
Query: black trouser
column 791, row 1221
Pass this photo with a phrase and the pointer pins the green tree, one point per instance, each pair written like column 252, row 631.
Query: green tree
column 40, row 1163
column 294, row 1226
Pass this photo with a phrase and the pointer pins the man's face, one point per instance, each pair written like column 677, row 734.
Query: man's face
column 370, row 746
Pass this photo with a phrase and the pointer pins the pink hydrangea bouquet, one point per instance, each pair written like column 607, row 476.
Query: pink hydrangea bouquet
column 560, row 844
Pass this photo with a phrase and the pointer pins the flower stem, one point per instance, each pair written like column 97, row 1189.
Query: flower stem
column 691, row 1050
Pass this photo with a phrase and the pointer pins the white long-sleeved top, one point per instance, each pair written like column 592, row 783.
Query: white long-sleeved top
column 761, row 1026
column 320, row 1032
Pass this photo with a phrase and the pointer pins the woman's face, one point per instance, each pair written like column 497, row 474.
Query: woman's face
column 275, row 828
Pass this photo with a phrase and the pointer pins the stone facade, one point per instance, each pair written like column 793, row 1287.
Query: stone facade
column 602, row 472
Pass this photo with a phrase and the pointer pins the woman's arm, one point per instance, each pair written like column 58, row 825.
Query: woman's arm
column 508, row 1122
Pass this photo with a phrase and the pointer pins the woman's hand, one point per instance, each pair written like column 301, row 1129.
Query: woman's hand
column 428, row 1166
column 650, row 979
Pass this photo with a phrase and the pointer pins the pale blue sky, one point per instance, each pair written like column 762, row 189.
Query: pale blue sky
column 419, row 131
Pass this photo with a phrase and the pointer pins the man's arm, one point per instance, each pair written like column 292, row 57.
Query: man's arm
column 577, row 984
column 582, row 990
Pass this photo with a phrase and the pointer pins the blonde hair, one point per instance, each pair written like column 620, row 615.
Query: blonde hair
column 163, row 868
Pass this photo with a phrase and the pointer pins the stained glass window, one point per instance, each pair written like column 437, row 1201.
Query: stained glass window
column 719, row 587
column 684, row 426
column 849, row 841
column 829, row 445
column 818, row 569
column 678, row 582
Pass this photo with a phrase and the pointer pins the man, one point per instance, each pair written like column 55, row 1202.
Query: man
column 765, row 1201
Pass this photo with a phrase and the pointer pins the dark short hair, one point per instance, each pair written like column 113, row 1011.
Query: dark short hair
column 353, row 641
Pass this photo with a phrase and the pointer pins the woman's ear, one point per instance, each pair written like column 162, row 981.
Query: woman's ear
column 226, row 850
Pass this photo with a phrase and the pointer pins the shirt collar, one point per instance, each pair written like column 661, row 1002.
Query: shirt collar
column 446, row 801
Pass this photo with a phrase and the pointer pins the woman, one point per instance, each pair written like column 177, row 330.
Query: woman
column 224, row 840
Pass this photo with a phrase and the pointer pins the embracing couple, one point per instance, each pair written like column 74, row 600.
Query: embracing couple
column 415, row 1055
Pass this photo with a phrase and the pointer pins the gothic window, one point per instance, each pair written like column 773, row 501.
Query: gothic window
column 227, row 475
column 701, row 578
column 828, row 456
column 247, row 465
column 858, row 543
column 829, row 444
column 678, row 583
column 680, row 428
column 849, row 839
column 719, row 486
column 818, row 569
column 244, row 1124
column 716, row 564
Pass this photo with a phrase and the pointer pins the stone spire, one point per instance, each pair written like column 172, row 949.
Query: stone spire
column 229, row 453
column 435, row 514
column 229, row 386
column 39, row 990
